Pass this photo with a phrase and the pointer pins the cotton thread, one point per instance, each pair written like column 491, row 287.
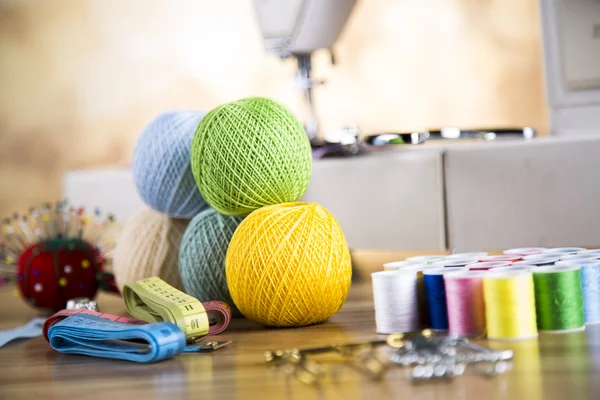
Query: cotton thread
column 202, row 256
column 509, row 305
column 396, row 299
column 250, row 153
column 466, row 307
column 288, row 265
column 149, row 246
column 590, row 284
column 161, row 165
column 558, row 298
column 436, row 296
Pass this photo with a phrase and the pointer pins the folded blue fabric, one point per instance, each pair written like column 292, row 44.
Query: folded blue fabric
column 98, row 337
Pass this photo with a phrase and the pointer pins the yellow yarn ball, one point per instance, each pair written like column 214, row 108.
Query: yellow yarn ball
column 149, row 246
column 288, row 265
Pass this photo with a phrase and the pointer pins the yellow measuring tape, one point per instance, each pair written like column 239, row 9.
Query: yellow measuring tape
column 154, row 300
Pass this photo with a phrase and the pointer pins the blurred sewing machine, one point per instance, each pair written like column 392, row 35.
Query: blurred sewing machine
column 298, row 28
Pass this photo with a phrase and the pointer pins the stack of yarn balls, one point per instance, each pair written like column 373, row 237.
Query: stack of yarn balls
column 224, row 222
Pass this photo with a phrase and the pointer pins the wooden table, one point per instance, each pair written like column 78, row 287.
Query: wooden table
column 551, row 367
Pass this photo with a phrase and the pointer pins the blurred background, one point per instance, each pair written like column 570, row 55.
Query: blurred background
column 81, row 78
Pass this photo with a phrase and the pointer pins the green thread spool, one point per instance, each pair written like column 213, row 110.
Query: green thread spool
column 558, row 298
column 248, row 154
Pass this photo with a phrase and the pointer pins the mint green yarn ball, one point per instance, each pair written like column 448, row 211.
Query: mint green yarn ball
column 202, row 256
column 248, row 154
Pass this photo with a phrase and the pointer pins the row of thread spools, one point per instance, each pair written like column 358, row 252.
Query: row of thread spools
column 509, row 296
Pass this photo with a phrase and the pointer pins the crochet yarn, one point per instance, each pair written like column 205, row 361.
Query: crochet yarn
column 250, row 153
column 289, row 265
column 149, row 246
column 202, row 256
column 161, row 165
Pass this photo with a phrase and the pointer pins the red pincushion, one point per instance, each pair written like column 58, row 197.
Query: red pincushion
column 52, row 272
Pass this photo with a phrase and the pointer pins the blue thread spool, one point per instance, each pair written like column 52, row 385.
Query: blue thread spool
column 161, row 165
column 435, row 291
column 590, row 285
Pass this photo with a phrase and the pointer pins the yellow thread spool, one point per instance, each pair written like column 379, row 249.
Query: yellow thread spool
column 510, row 305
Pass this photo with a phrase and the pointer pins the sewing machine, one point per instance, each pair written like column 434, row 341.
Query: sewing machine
column 297, row 28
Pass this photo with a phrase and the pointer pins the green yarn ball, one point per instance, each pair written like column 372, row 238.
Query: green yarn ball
column 248, row 154
column 202, row 256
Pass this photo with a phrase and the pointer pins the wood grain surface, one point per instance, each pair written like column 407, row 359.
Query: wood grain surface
column 551, row 367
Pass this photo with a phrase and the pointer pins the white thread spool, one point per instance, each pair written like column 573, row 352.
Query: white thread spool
column 524, row 251
column 396, row 297
column 542, row 259
column 565, row 250
column 393, row 266
column 580, row 256
column 424, row 259
column 477, row 255
column 521, row 267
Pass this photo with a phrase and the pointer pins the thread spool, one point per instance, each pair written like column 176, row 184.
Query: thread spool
column 579, row 256
column 454, row 262
column 466, row 308
column 424, row 259
column 590, row 284
column 506, row 257
column 558, row 298
column 565, row 250
column 468, row 255
column 484, row 266
column 542, row 259
column 513, row 267
column 524, row 251
column 594, row 252
column 161, row 165
column 509, row 305
column 435, row 292
column 396, row 298
column 393, row 266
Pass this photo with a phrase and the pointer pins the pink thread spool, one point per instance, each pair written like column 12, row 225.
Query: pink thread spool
column 505, row 257
column 484, row 266
column 466, row 307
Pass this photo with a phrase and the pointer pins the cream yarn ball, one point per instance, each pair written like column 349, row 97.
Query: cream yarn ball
column 149, row 246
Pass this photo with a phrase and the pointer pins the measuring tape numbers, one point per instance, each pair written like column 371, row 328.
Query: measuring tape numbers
column 154, row 300
column 96, row 336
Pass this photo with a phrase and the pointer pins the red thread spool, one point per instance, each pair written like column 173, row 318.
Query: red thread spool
column 466, row 307
column 505, row 257
column 484, row 266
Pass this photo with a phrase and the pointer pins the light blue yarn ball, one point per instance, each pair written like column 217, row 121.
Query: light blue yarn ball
column 161, row 165
column 202, row 256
